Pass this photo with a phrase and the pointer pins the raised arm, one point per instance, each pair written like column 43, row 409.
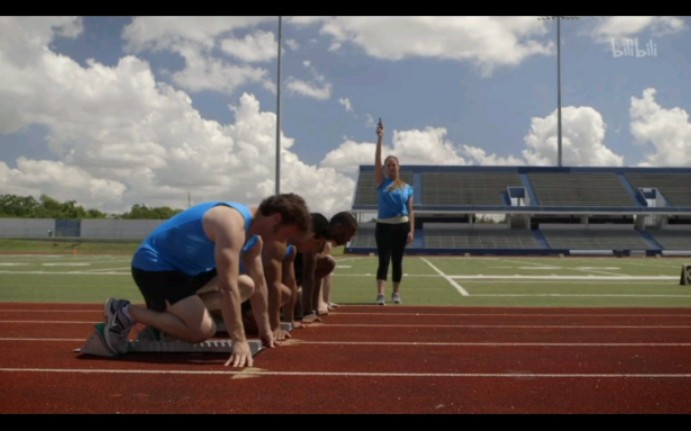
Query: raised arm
column 378, row 168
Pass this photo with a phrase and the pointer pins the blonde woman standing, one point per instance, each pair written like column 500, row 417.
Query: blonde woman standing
column 395, row 227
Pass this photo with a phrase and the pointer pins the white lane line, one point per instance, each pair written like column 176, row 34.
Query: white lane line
column 52, row 322
column 422, row 325
column 293, row 342
column 395, row 325
column 19, row 310
column 586, row 295
column 527, row 277
column 457, row 286
column 492, row 344
column 343, row 311
column 503, row 314
column 257, row 372
column 66, row 273
column 71, row 340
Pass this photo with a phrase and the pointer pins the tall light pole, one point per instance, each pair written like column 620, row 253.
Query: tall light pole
column 558, row 18
column 278, row 112
column 559, row 89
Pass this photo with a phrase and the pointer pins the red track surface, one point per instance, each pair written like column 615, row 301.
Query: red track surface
column 367, row 359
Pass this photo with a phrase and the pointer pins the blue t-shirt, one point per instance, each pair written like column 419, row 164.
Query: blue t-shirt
column 393, row 203
column 180, row 244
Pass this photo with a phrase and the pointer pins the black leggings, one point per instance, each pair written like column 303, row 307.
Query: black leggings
column 391, row 242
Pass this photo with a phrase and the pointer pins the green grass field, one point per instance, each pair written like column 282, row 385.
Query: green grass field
column 89, row 272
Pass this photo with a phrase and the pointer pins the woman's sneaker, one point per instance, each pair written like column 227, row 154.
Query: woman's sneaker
column 118, row 326
column 381, row 300
column 396, row 298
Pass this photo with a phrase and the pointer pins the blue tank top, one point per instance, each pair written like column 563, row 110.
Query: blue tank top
column 393, row 203
column 180, row 244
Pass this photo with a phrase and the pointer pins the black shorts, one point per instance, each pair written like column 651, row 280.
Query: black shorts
column 157, row 287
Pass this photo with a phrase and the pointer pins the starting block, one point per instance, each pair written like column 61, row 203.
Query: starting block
column 96, row 345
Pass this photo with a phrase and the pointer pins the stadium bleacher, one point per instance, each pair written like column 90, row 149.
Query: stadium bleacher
column 565, row 210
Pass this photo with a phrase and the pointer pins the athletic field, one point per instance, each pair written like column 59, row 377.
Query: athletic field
column 76, row 277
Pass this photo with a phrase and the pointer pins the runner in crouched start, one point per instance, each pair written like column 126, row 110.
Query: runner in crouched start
column 201, row 247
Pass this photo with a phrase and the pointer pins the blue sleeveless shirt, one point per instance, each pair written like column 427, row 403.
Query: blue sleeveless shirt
column 180, row 244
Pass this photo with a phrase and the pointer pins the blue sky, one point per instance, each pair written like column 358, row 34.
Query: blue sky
column 116, row 111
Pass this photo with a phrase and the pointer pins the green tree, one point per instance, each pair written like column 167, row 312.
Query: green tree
column 17, row 206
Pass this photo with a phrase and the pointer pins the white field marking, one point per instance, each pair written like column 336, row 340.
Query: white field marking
column 258, row 373
column 13, row 263
column 529, row 262
column 71, row 340
column 403, row 325
column 491, row 344
column 597, row 268
column 345, row 259
column 391, row 325
column 595, row 271
column 583, row 295
column 52, row 322
column 343, row 310
column 500, row 314
column 548, row 283
column 343, row 266
column 65, row 264
column 546, row 268
column 421, row 344
column 517, row 276
column 569, row 277
column 65, row 273
column 19, row 310
column 457, row 286
column 100, row 270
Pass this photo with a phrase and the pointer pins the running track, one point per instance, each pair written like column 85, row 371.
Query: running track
column 367, row 359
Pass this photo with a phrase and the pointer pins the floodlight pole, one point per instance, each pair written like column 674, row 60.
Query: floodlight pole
column 559, row 89
column 278, row 112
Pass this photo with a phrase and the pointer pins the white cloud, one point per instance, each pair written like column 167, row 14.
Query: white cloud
column 629, row 26
column 120, row 138
column 22, row 39
column 167, row 32
column 480, row 157
column 668, row 131
column 419, row 147
column 291, row 44
column 346, row 103
column 194, row 38
column 488, row 42
column 318, row 88
column 59, row 181
column 307, row 89
column 583, row 134
column 257, row 47
column 204, row 72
